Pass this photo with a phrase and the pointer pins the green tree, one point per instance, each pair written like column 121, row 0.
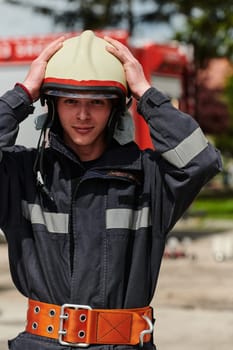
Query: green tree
column 208, row 26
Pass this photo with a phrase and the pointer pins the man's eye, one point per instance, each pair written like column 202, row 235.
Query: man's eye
column 98, row 102
column 70, row 101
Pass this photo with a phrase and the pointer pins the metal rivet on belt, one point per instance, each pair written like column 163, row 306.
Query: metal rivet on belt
column 50, row 329
column 34, row 325
column 82, row 318
column 81, row 334
column 52, row 312
column 36, row 309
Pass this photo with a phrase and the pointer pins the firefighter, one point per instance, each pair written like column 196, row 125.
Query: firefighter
column 86, row 214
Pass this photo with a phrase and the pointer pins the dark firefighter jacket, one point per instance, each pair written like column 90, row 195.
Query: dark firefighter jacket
column 100, row 240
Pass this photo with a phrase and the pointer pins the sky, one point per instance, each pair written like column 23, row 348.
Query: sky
column 20, row 21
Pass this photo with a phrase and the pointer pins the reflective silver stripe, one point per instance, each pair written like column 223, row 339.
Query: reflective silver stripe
column 187, row 149
column 55, row 222
column 128, row 218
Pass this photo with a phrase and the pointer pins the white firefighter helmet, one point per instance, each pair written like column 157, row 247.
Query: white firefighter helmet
column 84, row 65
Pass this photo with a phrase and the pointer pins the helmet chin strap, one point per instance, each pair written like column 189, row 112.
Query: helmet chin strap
column 129, row 102
column 38, row 167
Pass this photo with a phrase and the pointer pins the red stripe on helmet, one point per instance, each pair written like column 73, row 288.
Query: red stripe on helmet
column 84, row 83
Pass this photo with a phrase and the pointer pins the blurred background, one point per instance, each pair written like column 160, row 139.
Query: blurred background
column 186, row 50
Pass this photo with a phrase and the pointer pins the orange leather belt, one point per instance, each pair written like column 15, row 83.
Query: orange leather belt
column 80, row 325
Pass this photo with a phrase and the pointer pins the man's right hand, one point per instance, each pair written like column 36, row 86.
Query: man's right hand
column 36, row 73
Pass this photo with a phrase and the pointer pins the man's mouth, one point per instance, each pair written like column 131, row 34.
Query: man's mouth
column 83, row 130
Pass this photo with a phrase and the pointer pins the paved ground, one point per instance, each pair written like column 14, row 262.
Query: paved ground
column 193, row 302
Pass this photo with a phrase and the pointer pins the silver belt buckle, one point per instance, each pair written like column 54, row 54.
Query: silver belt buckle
column 64, row 316
column 146, row 331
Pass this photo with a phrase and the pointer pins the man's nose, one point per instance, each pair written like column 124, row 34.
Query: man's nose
column 83, row 111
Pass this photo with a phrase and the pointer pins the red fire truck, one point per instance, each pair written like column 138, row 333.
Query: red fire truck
column 169, row 67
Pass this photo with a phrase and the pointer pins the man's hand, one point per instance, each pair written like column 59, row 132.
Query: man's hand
column 37, row 69
column 135, row 77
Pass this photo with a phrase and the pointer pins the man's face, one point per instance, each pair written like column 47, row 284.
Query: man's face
column 84, row 122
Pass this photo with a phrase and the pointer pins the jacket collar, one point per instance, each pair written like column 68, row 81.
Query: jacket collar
column 117, row 156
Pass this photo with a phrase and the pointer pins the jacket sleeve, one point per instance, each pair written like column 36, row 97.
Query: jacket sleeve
column 186, row 160
column 15, row 106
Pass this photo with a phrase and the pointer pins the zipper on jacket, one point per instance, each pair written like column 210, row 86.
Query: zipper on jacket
column 72, row 239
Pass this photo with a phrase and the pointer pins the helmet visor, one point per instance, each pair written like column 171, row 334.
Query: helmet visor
column 80, row 94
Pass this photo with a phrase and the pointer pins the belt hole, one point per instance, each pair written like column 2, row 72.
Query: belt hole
column 52, row 313
column 36, row 309
column 34, row 325
column 81, row 334
column 50, row 329
column 82, row 318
